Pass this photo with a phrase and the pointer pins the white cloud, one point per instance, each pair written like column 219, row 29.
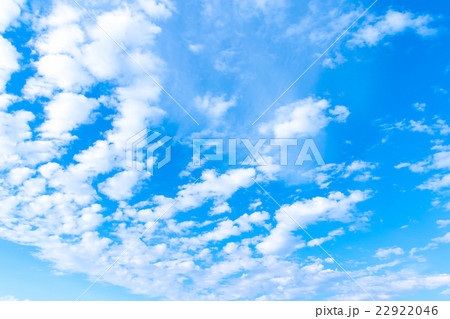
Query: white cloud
column 250, row 7
column 65, row 39
column 386, row 252
column 97, row 159
column 392, row 284
column 74, row 77
column 214, row 107
column 212, row 185
column 61, row 14
column 9, row 11
column 7, row 99
column 160, row 264
column 333, row 62
column 323, row 22
column 196, row 48
column 220, row 209
column 8, row 62
column 364, row 177
column 420, row 106
column 436, row 183
column 418, row 167
column 83, row 50
column 362, row 168
column 136, row 110
column 433, row 244
column 335, row 207
column 120, row 186
column 126, row 26
column 65, row 234
column 442, row 127
column 438, row 161
column 376, row 268
column 444, row 239
column 441, row 160
column 443, row 223
column 89, row 218
column 418, row 126
column 19, row 174
column 303, row 118
column 331, row 236
column 324, row 175
column 340, row 112
column 14, row 130
column 255, row 204
column 392, row 23
column 157, row 8
column 66, row 112
column 439, row 127
column 228, row 228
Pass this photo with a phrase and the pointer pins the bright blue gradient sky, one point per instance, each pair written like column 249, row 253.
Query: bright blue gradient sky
column 376, row 105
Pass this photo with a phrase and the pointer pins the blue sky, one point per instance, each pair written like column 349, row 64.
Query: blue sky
column 76, row 85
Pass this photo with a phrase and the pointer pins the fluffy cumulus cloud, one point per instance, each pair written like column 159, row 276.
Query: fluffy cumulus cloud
column 303, row 118
column 9, row 62
column 391, row 23
column 64, row 113
column 336, row 207
column 10, row 11
column 120, row 186
column 52, row 206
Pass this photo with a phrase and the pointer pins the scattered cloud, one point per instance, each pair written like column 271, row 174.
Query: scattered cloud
column 336, row 207
column 331, row 235
column 303, row 118
column 386, row 252
column 420, row 106
column 9, row 62
column 214, row 107
column 393, row 22
column 443, row 223
column 444, row 239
